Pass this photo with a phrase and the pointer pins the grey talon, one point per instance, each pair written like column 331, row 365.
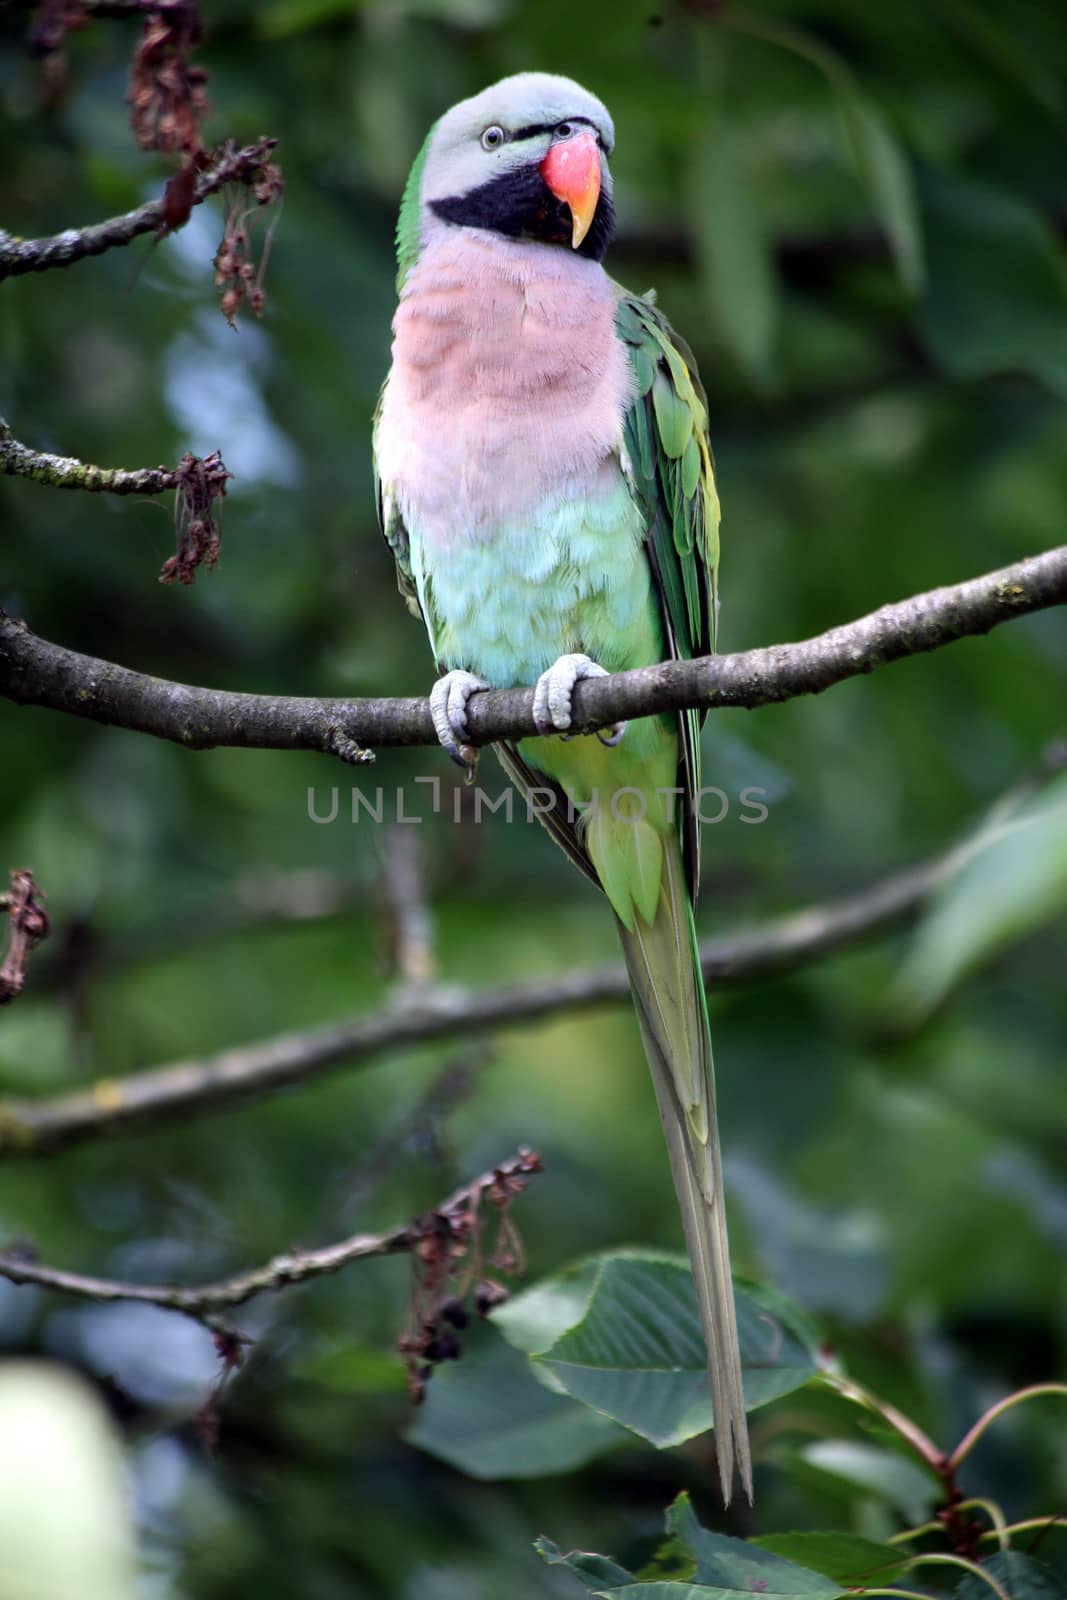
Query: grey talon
column 448, row 709
column 554, row 691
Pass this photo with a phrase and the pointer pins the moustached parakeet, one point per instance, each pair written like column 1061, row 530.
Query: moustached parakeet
column 546, row 486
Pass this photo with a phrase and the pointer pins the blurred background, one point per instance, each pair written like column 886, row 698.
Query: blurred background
column 855, row 215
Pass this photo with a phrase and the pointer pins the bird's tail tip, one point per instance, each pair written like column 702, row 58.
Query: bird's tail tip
column 733, row 1459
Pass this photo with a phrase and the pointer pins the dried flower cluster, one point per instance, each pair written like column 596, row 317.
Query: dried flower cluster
column 167, row 96
column 51, row 23
column 230, row 1346
column 450, row 1268
column 238, row 277
column 168, row 101
column 27, row 925
column 199, row 483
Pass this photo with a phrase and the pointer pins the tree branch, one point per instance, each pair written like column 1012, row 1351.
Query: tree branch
column 120, row 10
column 35, row 672
column 452, row 1219
column 189, row 1088
column 227, row 165
column 197, row 481
column 64, row 472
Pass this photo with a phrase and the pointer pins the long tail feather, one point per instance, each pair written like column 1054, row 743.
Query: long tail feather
column 668, row 993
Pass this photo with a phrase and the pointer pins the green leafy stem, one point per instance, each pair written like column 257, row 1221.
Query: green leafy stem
column 961, row 1530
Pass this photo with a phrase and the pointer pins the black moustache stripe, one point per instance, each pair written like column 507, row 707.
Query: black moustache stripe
column 520, row 205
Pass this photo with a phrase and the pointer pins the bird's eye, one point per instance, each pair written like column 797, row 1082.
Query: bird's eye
column 564, row 130
column 492, row 138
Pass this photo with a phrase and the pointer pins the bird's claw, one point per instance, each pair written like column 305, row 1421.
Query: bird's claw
column 448, row 709
column 552, row 698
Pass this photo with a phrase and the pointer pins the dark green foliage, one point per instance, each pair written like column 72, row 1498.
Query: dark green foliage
column 694, row 1564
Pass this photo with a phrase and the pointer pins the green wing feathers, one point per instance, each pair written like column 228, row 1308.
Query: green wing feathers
column 666, row 436
column 667, row 439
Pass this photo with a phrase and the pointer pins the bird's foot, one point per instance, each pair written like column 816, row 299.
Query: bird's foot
column 448, row 708
column 552, row 698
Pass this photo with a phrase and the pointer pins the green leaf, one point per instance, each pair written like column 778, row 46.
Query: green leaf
column 1008, row 50
column 716, row 1567
column 734, row 1566
column 830, row 1260
column 997, row 293
column 902, row 1483
column 621, row 1333
column 1010, row 881
column 489, row 1416
column 879, row 157
column 888, row 178
column 849, row 1559
column 1021, row 1576
column 735, row 252
column 533, row 1320
column 598, row 1573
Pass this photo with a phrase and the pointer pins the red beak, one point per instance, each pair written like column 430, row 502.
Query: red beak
column 571, row 170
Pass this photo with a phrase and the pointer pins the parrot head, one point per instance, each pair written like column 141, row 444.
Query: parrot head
column 525, row 158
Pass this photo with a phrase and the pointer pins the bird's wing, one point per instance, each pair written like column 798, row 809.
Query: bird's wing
column 392, row 526
column 673, row 478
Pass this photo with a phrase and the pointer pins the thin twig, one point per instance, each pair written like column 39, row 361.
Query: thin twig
column 187, row 1088
column 297, row 1266
column 1044, row 1525
column 996, row 1516
column 972, row 1436
column 925, row 1448
column 35, row 672
column 976, row 1570
column 227, row 165
column 120, row 10
column 896, row 1594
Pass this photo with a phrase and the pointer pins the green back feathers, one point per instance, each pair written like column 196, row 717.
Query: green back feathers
column 408, row 236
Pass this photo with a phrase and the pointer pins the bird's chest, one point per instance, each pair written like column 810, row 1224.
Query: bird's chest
column 499, row 442
column 507, row 391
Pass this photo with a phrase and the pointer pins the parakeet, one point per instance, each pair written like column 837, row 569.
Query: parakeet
column 546, row 486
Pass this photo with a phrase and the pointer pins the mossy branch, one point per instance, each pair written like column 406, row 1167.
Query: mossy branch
column 18, row 460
